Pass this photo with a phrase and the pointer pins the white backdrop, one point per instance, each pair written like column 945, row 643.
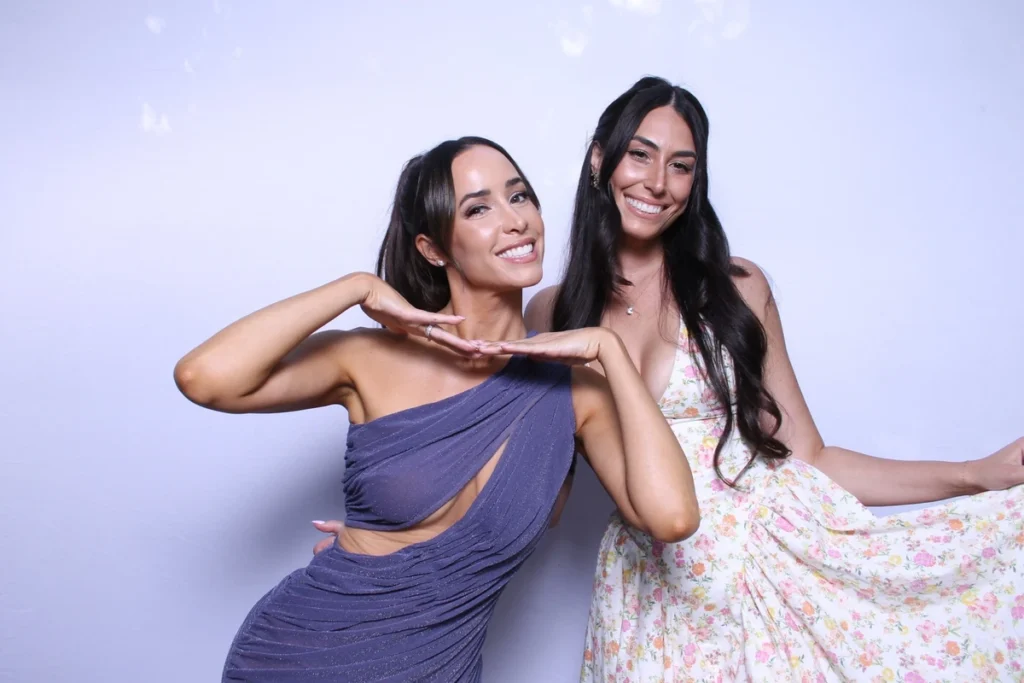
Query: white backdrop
column 168, row 167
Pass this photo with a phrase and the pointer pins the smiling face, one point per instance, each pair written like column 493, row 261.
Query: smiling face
column 497, row 237
column 651, row 185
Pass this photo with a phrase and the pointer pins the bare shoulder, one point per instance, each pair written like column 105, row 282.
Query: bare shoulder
column 752, row 284
column 590, row 394
column 371, row 357
column 539, row 310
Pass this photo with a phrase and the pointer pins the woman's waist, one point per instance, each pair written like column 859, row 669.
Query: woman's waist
column 367, row 539
column 717, row 465
column 425, row 579
column 467, row 552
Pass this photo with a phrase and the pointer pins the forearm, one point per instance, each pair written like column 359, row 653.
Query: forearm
column 658, row 480
column 881, row 481
column 241, row 357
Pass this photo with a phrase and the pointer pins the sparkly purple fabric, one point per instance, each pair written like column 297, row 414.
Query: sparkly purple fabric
column 421, row 614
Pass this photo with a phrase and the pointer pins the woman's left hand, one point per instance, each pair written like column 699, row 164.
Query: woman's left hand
column 1001, row 470
column 573, row 347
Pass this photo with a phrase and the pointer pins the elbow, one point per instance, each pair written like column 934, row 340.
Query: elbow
column 678, row 527
column 195, row 382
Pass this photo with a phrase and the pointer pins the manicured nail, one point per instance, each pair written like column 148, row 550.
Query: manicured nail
column 319, row 521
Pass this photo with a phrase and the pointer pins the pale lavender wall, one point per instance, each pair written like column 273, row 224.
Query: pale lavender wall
column 167, row 167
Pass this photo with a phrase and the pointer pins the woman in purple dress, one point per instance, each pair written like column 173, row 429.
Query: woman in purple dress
column 458, row 446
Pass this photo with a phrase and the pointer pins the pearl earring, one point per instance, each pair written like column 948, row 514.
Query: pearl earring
column 440, row 264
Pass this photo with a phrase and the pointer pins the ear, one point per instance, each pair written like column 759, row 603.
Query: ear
column 429, row 251
column 595, row 158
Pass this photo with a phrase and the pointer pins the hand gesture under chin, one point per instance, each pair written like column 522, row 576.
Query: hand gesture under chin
column 389, row 308
column 572, row 347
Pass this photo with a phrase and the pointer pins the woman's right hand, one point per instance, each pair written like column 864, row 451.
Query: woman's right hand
column 332, row 527
column 389, row 308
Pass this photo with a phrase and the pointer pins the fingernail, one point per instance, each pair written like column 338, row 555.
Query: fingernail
column 319, row 521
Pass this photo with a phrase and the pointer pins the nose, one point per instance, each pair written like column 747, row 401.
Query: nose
column 655, row 180
column 513, row 221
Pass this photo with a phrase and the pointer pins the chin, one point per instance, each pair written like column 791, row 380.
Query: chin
column 644, row 232
column 527, row 277
column 531, row 278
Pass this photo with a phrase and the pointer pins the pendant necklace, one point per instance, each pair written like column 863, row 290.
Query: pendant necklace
column 631, row 309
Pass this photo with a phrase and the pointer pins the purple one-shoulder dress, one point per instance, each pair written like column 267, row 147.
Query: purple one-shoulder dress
column 421, row 614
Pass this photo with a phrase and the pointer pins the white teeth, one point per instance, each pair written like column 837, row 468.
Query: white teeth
column 646, row 208
column 517, row 252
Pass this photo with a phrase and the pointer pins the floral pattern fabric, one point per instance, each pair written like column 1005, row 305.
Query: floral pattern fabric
column 790, row 578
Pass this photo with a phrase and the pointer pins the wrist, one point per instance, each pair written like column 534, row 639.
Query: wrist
column 357, row 286
column 967, row 480
column 609, row 346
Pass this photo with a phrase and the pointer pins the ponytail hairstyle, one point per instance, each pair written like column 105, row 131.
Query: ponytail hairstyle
column 697, row 266
column 425, row 204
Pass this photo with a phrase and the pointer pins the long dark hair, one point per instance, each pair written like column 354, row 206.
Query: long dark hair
column 698, row 268
column 425, row 204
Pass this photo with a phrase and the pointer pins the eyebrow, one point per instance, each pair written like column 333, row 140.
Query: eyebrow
column 650, row 143
column 511, row 182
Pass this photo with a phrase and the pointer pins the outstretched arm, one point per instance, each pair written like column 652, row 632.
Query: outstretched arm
column 874, row 481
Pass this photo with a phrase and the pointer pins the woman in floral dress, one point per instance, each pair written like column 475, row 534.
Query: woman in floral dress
column 790, row 577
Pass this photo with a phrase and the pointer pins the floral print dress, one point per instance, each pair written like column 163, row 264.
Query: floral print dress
column 790, row 578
